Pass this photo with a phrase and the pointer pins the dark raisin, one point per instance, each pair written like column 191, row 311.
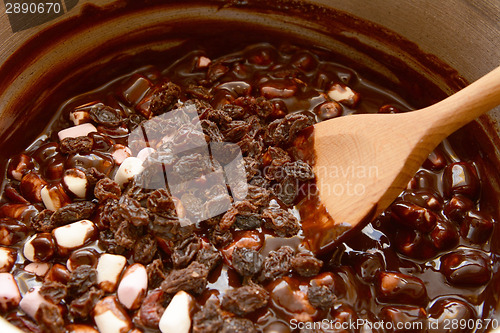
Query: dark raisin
column 246, row 262
column 81, row 145
column 50, row 318
column 306, row 264
column 299, row 170
column 244, row 300
column 208, row 319
column 185, row 251
column 42, row 221
column 284, row 223
column 190, row 279
column 277, row 264
column 152, row 308
column 145, row 249
column 73, row 212
column 54, row 291
column 321, row 296
column 105, row 115
column 164, row 98
column 82, row 306
column 238, row 325
column 81, row 280
column 130, row 210
column 156, row 273
column 209, row 256
column 107, row 189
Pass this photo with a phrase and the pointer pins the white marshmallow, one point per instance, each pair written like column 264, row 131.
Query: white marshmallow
column 144, row 153
column 76, row 182
column 203, row 62
column 29, row 249
column 54, row 197
column 79, row 117
column 32, row 301
column 120, row 153
column 37, row 268
column 110, row 317
column 74, row 235
column 7, row 258
column 9, row 292
column 133, row 286
column 177, row 318
column 129, row 168
column 76, row 131
column 341, row 93
column 109, row 268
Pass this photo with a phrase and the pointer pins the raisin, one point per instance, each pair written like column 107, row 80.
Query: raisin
column 299, row 170
column 219, row 237
column 287, row 190
column 236, row 130
column 126, row 234
column 171, row 229
column 321, row 296
column 306, row 264
column 49, row 318
column 156, row 273
column 82, row 306
column 185, row 252
column 81, row 145
column 284, row 223
column 212, row 131
column 81, row 280
column 107, row 189
column 105, row 115
column 283, row 131
column 258, row 196
column 198, row 92
column 238, row 325
column 274, row 161
column 42, row 221
column 145, row 249
column 108, row 243
column 164, row 98
column 209, row 257
column 208, row 319
column 93, row 175
column 152, row 308
column 246, row 262
column 53, row 291
column 244, row 300
column 190, row 279
column 277, row 264
column 130, row 210
column 73, row 212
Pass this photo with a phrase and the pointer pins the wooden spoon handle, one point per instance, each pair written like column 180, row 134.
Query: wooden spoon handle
column 466, row 105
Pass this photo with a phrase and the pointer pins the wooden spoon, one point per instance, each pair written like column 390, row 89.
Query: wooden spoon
column 363, row 162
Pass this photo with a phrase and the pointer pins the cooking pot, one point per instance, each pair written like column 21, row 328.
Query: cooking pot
column 48, row 57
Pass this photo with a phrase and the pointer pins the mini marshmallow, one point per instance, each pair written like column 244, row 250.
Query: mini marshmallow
column 31, row 301
column 40, row 247
column 74, row 235
column 76, row 182
column 54, row 197
column 37, row 268
column 203, row 62
column 343, row 94
column 144, row 153
column 133, row 286
column 110, row 317
column 79, row 117
column 80, row 328
column 120, row 153
column 76, row 131
column 7, row 258
column 9, row 292
column 129, row 168
column 177, row 318
column 109, row 268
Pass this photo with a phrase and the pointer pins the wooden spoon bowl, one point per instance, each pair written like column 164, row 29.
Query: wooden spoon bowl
column 363, row 162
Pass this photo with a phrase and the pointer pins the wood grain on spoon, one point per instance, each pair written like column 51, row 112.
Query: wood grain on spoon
column 363, row 162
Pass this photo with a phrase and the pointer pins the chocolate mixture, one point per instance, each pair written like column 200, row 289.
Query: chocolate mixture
column 99, row 230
